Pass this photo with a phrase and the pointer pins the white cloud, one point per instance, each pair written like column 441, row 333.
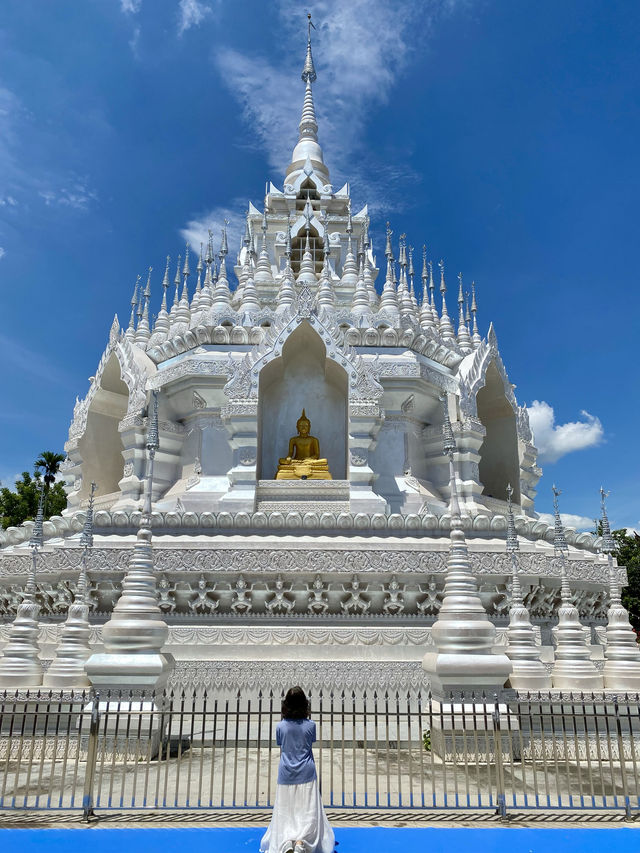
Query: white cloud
column 192, row 14
column 130, row 7
column 577, row 522
column 197, row 230
column 361, row 48
column 25, row 179
column 77, row 195
column 3, row 252
column 8, row 481
column 556, row 440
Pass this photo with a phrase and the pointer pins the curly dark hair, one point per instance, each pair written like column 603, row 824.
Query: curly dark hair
column 295, row 705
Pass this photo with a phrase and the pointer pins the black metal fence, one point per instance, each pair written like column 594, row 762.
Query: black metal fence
column 376, row 750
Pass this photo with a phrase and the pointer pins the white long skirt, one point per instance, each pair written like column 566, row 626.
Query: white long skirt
column 298, row 815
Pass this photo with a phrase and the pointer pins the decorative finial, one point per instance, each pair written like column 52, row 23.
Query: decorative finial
column 309, row 72
column 559, row 541
column 185, row 268
column 153, row 437
column 224, row 246
column 443, row 286
column 140, row 298
column 134, row 303
column 608, row 542
column 388, row 249
column 449, row 443
column 512, row 535
column 165, row 280
column 86, row 539
column 37, row 535
column 325, row 239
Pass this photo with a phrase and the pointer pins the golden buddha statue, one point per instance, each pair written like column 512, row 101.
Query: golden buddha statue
column 303, row 461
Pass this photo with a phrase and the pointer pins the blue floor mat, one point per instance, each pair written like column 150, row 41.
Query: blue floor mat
column 618, row 839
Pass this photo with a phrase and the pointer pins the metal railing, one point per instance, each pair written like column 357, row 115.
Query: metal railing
column 375, row 750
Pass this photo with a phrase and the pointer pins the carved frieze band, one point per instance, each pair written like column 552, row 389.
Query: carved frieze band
column 366, row 558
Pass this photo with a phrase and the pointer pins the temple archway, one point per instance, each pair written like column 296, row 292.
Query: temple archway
column 101, row 446
column 499, row 463
column 303, row 377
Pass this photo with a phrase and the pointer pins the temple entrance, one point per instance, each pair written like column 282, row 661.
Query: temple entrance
column 302, row 378
column 499, row 464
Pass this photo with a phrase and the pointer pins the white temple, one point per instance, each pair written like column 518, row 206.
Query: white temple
column 325, row 580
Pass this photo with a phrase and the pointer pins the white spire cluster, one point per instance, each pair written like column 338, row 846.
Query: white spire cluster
column 306, row 236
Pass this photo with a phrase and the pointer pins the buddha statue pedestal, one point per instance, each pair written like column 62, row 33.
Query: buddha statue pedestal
column 303, row 461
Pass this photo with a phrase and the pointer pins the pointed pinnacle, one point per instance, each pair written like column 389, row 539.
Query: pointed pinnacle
column 512, row 535
column 86, row 539
column 224, row 246
column 388, row 249
column 309, row 72
column 608, row 542
column 559, row 540
column 449, row 441
column 37, row 535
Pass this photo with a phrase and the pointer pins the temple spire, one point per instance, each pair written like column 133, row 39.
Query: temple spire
column 131, row 331
column 475, row 337
column 426, row 314
column 446, row 329
column 143, row 332
column 222, row 291
column 464, row 340
column 307, row 156
column 389, row 297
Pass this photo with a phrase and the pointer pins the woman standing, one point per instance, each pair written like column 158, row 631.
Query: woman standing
column 298, row 823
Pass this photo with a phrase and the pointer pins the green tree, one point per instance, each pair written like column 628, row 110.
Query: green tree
column 21, row 503
column 49, row 463
column 628, row 554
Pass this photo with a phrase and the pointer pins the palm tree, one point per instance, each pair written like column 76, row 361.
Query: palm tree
column 49, row 463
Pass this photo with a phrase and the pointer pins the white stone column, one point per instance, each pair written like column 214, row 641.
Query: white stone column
column 529, row 673
column 463, row 635
column 67, row 667
column 365, row 420
column 20, row 664
column 573, row 668
column 241, row 418
column 622, row 654
column 134, row 636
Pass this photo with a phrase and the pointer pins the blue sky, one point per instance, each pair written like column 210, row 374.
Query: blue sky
column 502, row 133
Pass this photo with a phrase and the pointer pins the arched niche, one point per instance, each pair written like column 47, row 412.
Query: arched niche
column 303, row 377
column 101, row 446
column 499, row 463
column 316, row 247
